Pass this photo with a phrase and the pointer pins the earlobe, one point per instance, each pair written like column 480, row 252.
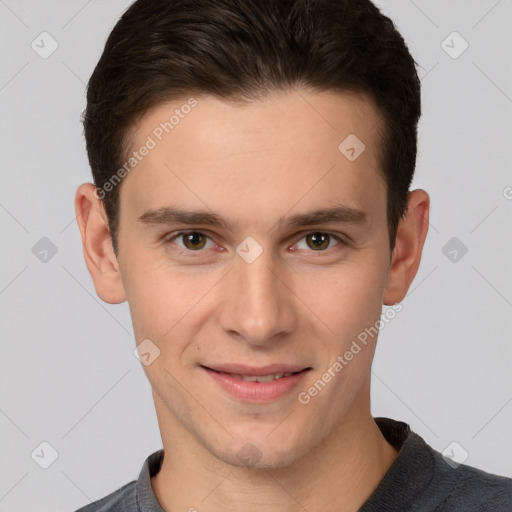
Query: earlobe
column 406, row 256
column 97, row 245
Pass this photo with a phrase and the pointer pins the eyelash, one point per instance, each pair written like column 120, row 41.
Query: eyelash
column 189, row 252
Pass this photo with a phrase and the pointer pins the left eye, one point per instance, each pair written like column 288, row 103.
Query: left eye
column 319, row 240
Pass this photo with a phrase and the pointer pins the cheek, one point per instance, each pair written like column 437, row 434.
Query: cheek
column 346, row 299
column 164, row 300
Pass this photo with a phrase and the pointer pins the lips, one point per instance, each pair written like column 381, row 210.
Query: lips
column 261, row 378
column 247, row 371
column 257, row 384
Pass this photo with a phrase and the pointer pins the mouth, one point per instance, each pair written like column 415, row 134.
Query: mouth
column 252, row 384
column 260, row 378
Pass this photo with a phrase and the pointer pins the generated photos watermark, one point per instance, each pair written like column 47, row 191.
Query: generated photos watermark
column 152, row 141
column 343, row 360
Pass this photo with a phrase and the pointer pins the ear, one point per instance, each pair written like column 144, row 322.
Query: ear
column 97, row 245
column 406, row 255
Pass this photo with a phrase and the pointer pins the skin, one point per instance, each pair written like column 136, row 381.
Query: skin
column 295, row 304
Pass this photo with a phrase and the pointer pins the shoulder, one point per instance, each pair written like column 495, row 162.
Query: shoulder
column 422, row 479
column 473, row 489
column 122, row 500
column 133, row 496
column 478, row 490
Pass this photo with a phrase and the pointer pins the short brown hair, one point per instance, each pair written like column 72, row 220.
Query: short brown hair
column 161, row 50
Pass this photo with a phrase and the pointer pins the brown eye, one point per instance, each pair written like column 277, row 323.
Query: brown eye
column 318, row 241
column 186, row 243
column 194, row 241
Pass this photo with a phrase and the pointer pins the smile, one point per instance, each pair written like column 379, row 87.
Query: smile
column 261, row 388
column 260, row 378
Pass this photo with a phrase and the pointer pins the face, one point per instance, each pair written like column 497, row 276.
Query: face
column 266, row 280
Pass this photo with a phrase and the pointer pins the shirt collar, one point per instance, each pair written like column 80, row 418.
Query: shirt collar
column 146, row 499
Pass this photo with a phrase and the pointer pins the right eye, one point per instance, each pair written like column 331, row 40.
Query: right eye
column 193, row 241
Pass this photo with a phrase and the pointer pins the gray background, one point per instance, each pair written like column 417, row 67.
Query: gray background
column 67, row 372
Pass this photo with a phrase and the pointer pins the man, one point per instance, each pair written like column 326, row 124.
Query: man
column 252, row 163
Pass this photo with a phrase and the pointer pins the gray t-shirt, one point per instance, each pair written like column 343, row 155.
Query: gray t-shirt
column 419, row 480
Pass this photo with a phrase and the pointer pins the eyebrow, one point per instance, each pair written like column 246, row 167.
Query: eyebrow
column 168, row 215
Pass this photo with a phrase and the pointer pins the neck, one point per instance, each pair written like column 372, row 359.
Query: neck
column 339, row 474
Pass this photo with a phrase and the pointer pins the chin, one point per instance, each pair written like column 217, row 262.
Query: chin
column 259, row 455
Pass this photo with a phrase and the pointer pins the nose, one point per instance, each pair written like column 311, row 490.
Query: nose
column 257, row 305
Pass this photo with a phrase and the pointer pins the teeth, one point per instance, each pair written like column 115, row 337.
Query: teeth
column 262, row 378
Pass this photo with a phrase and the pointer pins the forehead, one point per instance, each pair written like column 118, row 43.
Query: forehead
column 289, row 150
